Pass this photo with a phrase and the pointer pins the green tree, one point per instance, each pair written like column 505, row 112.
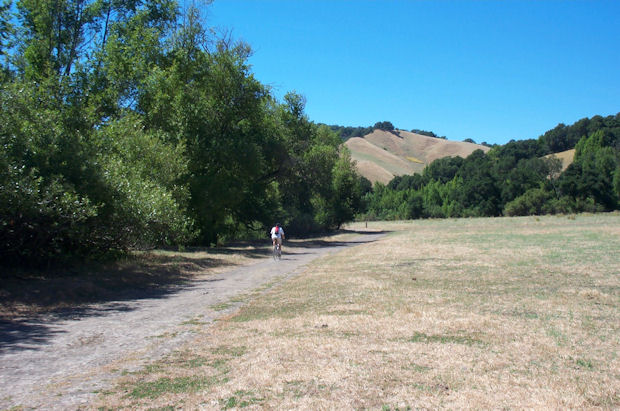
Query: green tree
column 527, row 174
column 6, row 33
column 479, row 194
column 384, row 125
column 443, row 169
column 616, row 181
column 346, row 199
column 415, row 204
column 591, row 175
column 319, row 187
column 565, row 137
column 73, row 194
column 83, row 180
column 433, row 199
column 593, row 143
column 533, row 202
column 141, row 197
column 208, row 101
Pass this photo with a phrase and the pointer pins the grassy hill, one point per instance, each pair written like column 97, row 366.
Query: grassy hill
column 382, row 155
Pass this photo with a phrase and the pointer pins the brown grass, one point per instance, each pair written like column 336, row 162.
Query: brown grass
column 378, row 163
column 469, row 313
column 566, row 157
column 381, row 155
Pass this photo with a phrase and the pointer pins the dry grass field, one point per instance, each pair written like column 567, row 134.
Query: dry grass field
column 470, row 313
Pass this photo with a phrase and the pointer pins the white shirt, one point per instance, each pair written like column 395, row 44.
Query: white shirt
column 279, row 234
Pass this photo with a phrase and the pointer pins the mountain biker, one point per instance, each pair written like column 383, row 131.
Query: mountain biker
column 277, row 234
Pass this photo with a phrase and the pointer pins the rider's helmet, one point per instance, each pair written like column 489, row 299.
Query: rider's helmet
column 277, row 224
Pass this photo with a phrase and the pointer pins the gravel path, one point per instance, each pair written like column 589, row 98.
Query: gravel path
column 61, row 362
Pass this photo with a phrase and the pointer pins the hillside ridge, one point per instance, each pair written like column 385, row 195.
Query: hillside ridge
column 382, row 155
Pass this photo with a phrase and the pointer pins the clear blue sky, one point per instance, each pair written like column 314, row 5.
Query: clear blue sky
column 487, row 70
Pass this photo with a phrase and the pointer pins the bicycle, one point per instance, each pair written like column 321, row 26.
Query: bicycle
column 277, row 252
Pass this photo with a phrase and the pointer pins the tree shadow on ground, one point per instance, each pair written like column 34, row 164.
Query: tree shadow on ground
column 31, row 301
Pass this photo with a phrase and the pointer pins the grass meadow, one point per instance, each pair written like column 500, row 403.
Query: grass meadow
column 467, row 313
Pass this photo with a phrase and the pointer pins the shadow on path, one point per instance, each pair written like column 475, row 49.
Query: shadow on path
column 32, row 302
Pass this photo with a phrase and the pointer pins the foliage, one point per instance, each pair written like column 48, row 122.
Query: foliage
column 346, row 133
column 346, row 186
column 68, row 193
column 6, row 30
column 532, row 202
column 127, row 124
column 140, row 172
column 443, row 169
column 427, row 133
column 43, row 208
column 513, row 179
column 564, row 137
column 384, row 125
column 591, row 176
column 319, row 186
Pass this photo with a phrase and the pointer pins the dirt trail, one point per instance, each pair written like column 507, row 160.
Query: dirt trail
column 63, row 362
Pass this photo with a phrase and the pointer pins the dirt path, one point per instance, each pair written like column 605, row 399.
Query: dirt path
column 65, row 361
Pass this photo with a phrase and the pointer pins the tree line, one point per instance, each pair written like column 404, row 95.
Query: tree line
column 346, row 132
column 512, row 179
column 129, row 124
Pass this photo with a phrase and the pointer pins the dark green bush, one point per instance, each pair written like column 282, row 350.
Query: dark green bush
column 532, row 202
column 66, row 193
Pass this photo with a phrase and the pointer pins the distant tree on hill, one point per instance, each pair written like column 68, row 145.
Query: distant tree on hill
column 424, row 133
column 469, row 140
column 384, row 125
column 346, row 133
column 563, row 137
column 427, row 133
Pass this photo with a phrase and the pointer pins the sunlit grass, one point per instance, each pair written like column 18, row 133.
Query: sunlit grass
column 468, row 313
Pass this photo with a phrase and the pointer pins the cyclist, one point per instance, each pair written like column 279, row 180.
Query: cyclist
column 277, row 234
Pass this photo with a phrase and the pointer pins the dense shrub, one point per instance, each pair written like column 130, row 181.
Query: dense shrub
column 66, row 193
column 532, row 202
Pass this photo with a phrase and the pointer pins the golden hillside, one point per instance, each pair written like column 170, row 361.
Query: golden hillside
column 565, row 156
column 382, row 155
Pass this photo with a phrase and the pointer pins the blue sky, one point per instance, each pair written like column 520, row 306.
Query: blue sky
column 487, row 70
